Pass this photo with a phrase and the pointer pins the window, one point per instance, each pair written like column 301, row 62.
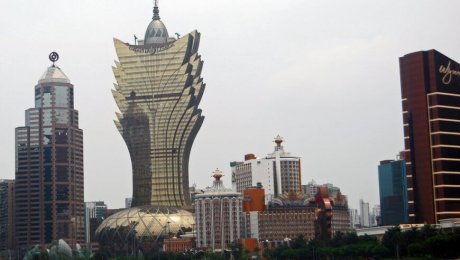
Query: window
column 61, row 96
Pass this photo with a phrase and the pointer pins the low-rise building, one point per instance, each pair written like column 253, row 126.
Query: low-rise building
column 176, row 244
column 294, row 214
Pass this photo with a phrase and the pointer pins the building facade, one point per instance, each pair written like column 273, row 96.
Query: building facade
column 354, row 218
column 286, row 223
column 291, row 215
column 128, row 202
column 340, row 217
column 218, row 214
column 364, row 214
column 158, row 91
column 375, row 216
column 7, row 215
column 310, row 189
column 430, row 87
column 177, row 244
column 393, row 192
column 94, row 214
column 49, row 166
column 279, row 172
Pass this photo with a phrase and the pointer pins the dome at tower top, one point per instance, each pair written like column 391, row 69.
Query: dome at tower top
column 156, row 32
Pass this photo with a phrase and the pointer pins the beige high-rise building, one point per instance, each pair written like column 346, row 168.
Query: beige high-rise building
column 158, row 91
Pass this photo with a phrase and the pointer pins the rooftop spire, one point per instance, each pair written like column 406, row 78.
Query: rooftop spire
column 217, row 174
column 156, row 11
column 278, row 140
column 54, row 56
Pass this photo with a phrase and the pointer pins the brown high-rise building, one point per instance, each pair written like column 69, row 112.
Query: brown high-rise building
column 430, row 86
column 6, row 217
column 49, row 166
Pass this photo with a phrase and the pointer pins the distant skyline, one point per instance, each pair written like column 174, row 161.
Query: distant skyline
column 323, row 75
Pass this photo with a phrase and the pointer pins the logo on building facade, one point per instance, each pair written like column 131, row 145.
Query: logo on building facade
column 150, row 49
column 447, row 73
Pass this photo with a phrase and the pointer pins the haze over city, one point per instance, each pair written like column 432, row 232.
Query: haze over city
column 325, row 76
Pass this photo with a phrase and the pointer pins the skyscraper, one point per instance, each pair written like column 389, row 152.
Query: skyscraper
column 375, row 216
column 354, row 218
column 94, row 214
column 393, row 192
column 49, row 165
column 430, row 87
column 278, row 173
column 7, row 215
column 158, row 91
column 128, row 202
column 364, row 214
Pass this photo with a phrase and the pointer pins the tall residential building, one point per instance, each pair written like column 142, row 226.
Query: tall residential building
column 218, row 215
column 93, row 210
column 7, row 215
column 310, row 189
column 158, row 91
column 354, row 218
column 430, row 87
column 49, row 165
column 393, row 192
column 194, row 191
column 375, row 216
column 364, row 214
column 278, row 173
column 128, row 202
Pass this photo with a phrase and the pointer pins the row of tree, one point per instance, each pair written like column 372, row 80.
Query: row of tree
column 425, row 242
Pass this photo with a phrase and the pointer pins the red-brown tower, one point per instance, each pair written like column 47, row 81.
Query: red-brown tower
column 430, row 87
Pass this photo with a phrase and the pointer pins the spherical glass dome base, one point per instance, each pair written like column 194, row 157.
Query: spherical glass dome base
column 142, row 228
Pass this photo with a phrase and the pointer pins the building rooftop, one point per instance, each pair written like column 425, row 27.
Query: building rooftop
column 156, row 32
column 53, row 74
column 218, row 188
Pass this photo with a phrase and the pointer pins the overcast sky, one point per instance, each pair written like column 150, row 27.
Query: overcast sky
column 322, row 74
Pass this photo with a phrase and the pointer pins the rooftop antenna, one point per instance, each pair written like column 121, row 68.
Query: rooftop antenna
column 156, row 11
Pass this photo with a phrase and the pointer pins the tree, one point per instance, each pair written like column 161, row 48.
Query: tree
column 99, row 256
column 392, row 240
column 427, row 231
column 442, row 245
column 299, row 242
column 415, row 249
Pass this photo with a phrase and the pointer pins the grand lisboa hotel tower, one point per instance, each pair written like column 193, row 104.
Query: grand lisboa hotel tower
column 158, row 89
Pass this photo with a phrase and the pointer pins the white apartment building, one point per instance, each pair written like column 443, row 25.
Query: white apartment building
column 218, row 214
column 364, row 218
column 279, row 172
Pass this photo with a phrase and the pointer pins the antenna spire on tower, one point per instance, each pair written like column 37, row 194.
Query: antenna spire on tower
column 156, row 11
column 54, row 56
